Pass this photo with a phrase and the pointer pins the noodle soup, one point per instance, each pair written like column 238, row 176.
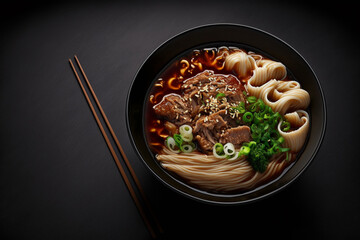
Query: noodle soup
column 225, row 119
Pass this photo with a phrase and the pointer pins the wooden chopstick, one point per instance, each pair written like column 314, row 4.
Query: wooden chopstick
column 131, row 170
column 122, row 172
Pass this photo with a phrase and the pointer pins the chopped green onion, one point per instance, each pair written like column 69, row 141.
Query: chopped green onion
column 185, row 129
column 248, row 117
column 240, row 108
column 251, row 99
column 220, row 95
column 218, row 151
column 182, row 141
column 170, row 144
column 244, row 150
column 267, row 141
column 186, row 133
column 258, row 118
column 229, row 149
column 219, row 148
column 187, row 138
column 285, row 126
column 283, row 149
column 267, row 116
column 178, row 140
column 252, row 143
column 253, row 107
column 187, row 148
column 261, row 104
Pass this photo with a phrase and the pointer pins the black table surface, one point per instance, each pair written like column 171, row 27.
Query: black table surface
column 57, row 177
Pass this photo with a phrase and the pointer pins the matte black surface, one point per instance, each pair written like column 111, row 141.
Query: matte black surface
column 57, row 177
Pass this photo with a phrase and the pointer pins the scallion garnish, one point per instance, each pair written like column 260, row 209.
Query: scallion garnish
column 218, row 150
column 182, row 141
column 248, row 117
column 285, row 126
column 240, row 108
column 251, row 99
column 263, row 122
column 178, row 140
column 220, row 95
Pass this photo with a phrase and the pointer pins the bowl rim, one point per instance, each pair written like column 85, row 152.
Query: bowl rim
column 256, row 198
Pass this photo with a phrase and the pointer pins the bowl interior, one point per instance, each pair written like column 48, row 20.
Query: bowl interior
column 226, row 35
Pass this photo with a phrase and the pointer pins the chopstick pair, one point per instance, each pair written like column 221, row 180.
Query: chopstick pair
column 121, row 169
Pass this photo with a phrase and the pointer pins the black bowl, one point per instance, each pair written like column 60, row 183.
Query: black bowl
column 225, row 35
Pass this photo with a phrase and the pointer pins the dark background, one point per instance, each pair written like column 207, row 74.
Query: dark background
column 57, row 177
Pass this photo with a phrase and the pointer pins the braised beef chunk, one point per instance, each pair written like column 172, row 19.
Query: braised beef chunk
column 236, row 136
column 207, row 84
column 174, row 109
column 214, row 121
column 206, row 103
column 206, row 145
column 208, row 130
